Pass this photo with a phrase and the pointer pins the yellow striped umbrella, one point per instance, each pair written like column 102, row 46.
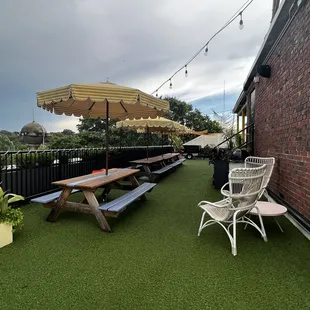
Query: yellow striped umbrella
column 101, row 100
column 93, row 100
column 158, row 124
column 154, row 125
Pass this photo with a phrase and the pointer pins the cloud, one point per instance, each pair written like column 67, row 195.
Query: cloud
column 60, row 125
column 47, row 44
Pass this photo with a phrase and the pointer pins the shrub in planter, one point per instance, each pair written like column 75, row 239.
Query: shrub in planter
column 25, row 160
column 9, row 218
column 45, row 159
column 63, row 158
column 220, row 160
column 205, row 152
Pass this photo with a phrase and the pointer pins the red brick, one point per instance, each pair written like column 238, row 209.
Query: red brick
column 282, row 114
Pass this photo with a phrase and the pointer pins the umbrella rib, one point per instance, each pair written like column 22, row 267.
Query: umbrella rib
column 92, row 105
column 123, row 107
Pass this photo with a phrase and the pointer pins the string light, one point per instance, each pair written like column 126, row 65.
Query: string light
column 157, row 93
column 241, row 26
column 186, row 72
column 206, row 51
column 205, row 46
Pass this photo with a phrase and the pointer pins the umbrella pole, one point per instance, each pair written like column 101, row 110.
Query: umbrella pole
column 162, row 145
column 147, row 141
column 107, row 139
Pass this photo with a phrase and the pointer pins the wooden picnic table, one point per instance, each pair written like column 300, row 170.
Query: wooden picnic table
column 161, row 160
column 88, row 184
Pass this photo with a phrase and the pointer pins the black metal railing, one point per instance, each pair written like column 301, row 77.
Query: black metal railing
column 30, row 173
column 234, row 142
column 248, row 142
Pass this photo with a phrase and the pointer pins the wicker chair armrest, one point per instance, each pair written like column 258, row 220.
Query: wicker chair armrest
column 225, row 192
column 220, row 204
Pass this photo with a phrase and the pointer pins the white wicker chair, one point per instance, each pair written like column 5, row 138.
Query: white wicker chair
column 254, row 162
column 245, row 186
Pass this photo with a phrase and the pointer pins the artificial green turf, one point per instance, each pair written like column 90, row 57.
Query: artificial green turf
column 154, row 259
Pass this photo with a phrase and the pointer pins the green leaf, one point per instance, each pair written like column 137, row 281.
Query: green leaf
column 1, row 192
column 15, row 198
column 4, row 204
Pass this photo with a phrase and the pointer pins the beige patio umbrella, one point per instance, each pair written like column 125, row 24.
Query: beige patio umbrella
column 101, row 100
column 153, row 125
column 158, row 124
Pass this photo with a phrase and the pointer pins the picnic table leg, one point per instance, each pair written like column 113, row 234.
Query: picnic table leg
column 93, row 205
column 105, row 193
column 149, row 173
column 64, row 196
column 136, row 184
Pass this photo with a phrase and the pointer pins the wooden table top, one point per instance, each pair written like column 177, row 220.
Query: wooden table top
column 155, row 159
column 93, row 181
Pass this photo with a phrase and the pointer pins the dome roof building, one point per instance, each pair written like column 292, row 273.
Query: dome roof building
column 33, row 134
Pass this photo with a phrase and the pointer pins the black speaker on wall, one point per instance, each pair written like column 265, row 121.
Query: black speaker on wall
column 264, row 71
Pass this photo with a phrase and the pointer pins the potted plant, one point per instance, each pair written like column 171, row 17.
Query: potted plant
column 177, row 143
column 220, row 160
column 9, row 218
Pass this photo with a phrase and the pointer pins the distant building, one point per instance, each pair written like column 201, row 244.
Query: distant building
column 211, row 139
column 33, row 134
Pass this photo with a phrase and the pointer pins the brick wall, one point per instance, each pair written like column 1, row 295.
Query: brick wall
column 282, row 114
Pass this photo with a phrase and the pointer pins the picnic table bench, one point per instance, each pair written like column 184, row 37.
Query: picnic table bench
column 88, row 184
column 164, row 163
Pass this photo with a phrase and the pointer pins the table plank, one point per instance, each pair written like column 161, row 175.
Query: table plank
column 65, row 182
column 155, row 159
column 91, row 183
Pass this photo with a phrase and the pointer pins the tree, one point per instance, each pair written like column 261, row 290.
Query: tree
column 117, row 137
column 184, row 113
column 91, row 139
column 178, row 110
column 9, row 141
column 93, row 124
column 92, row 131
column 61, row 141
column 68, row 132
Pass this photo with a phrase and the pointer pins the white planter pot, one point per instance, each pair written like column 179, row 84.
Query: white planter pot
column 6, row 234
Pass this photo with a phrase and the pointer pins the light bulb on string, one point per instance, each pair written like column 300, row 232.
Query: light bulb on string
column 206, row 51
column 170, row 84
column 157, row 93
column 186, row 72
column 241, row 26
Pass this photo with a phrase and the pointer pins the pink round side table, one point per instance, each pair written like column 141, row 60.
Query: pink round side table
column 269, row 209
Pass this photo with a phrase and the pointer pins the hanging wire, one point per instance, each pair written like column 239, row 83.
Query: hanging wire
column 206, row 45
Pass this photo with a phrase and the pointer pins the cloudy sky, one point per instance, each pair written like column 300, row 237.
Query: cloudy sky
column 140, row 43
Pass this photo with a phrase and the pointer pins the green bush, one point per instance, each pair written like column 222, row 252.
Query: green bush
column 13, row 217
column 25, row 161
column 8, row 215
column 45, row 159
column 205, row 152
column 63, row 158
